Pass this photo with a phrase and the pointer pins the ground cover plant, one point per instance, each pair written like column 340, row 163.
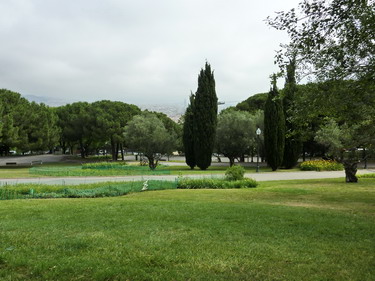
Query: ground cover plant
column 321, row 165
column 286, row 230
column 97, row 169
column 106, row 189
column 189, row 183
column 110, row 189
column 370, row 175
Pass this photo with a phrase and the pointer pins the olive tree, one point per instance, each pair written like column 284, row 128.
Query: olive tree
column 341, row 143
column 235, row 134
column 147, row 134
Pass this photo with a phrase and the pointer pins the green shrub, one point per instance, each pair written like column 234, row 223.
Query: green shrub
column 108, row 189
column 321, row 165
column 188, row 183
column 367, row 176
column 104, row 165
column 235, row 173
column 8, row 194
column 100, row 157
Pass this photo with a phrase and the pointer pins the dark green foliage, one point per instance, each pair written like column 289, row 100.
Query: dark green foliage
column 92, row 126
column 26, row 126
column 274, row 128
column 188, row 135
column 205, row 118
column 254, row 103
column 77, row 126
column 293, row 143
column 235, row 173
column 292, row 152
column 188, row 183
column 111, row 117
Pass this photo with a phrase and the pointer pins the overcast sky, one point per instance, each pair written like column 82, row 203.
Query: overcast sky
column 139, row 52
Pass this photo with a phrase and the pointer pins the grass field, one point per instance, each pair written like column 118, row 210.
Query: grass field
column 287, row 230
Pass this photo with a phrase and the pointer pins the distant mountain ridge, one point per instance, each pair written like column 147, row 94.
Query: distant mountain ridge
column 46, row 100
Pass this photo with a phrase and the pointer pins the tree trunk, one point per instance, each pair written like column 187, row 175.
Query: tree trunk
column 242, row 158
column 122, row 152
column 231, row 161
column 151, row 162
column 63, row 147
column 82, row 148
column 113, row 150
column 350, row 171
column 117, row 149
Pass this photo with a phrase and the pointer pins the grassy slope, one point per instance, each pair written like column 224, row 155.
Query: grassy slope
column 301, row 230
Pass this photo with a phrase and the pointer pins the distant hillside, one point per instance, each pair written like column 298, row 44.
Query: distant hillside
column 173, row 111
column 46, row 100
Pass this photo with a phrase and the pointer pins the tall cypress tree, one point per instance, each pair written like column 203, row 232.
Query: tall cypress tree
column 293, row 144
column 205, row 118
column 274, row 128
column 188, row 136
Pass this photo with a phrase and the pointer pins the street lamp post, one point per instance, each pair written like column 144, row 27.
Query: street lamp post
column 258, row 132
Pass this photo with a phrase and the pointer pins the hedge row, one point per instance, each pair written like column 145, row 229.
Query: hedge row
column 188, row 183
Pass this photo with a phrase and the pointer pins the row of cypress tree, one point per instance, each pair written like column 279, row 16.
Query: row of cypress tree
column 282, row 143
column 281, row 140
column 200, row 121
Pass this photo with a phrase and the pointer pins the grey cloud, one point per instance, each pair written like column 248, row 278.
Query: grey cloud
column 136, row 51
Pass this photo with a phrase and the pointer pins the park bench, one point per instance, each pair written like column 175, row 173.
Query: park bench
column 11, row 163
column 36, row 162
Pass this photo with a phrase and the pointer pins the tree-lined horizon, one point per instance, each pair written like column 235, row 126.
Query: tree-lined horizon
column 332, row 42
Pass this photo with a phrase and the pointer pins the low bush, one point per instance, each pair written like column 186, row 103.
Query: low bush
column 235, row 173
column 108, row 189
column 321, row 165
column 367, row 176
column 188, row 183
column 104, row 165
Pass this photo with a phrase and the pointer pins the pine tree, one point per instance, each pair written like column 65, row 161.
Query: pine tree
column 274, row 128
column 205, row 118
column 293, row 144
column 188, row 136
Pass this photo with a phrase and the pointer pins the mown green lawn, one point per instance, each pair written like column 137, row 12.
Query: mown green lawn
column 289, row 230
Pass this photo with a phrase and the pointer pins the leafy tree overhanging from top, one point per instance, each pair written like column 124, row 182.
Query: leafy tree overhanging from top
column 332, row 39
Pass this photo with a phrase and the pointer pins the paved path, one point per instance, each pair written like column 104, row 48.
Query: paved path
column 261, row 176
column 28, row 159
column 266, row 176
